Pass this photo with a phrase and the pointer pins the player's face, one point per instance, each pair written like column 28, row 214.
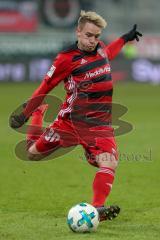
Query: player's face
column 88, row 36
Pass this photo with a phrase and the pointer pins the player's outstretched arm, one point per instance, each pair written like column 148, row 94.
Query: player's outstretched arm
column 133, row 34
column 58, row 71
column 18, row 120
column 115, row 47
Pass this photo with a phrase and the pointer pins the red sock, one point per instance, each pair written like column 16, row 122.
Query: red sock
column 35, row 129
column 102, row 185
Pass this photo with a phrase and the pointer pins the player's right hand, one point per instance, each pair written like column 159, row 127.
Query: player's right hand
column 16, row 121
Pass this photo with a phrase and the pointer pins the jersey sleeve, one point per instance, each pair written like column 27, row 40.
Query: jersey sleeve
column 114, row 48
column 59, row 70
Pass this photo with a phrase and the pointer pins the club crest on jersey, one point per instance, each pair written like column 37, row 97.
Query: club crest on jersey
column 101, row 52
column 83, row 61
column 51, row 71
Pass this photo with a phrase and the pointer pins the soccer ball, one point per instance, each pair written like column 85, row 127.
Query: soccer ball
column 83, row 217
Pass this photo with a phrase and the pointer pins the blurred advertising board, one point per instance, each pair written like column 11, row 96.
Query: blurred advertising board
column 30, row 59
column 139, row 61
column 18, row 16
column 139, row 69
column 34, row 69
column 148, row 47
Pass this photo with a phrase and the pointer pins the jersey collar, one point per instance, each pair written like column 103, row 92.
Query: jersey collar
column 88, row 53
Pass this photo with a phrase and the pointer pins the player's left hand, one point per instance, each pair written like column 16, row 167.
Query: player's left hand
column 132, row 34
column 17, row 121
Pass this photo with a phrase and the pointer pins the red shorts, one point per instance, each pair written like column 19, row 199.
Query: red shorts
column 62, row 133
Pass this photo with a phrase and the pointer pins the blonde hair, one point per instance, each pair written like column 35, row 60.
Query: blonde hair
column 92, row 17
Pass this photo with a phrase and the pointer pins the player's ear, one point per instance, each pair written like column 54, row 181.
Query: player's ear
column 78, row 31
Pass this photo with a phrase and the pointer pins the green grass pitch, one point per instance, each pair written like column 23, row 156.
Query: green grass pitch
column 36, row 196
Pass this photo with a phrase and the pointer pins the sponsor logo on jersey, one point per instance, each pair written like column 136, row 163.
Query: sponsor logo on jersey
column 51, row 71
column 99, row 71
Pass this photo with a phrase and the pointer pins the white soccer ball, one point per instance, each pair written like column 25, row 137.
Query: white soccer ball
column 83, row 217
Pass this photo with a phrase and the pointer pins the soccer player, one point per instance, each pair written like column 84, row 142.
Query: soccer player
column 85, row 115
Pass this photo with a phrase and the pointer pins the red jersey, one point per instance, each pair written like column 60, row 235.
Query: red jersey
column 87, row 80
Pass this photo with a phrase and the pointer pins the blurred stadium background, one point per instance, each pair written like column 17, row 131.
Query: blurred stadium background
column 32, row 32
column 35, row 197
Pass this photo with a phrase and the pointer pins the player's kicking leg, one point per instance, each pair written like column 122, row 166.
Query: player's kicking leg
column 102, row 185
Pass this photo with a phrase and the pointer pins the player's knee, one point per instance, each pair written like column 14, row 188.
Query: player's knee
column 33, row 154
column 107, row 160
